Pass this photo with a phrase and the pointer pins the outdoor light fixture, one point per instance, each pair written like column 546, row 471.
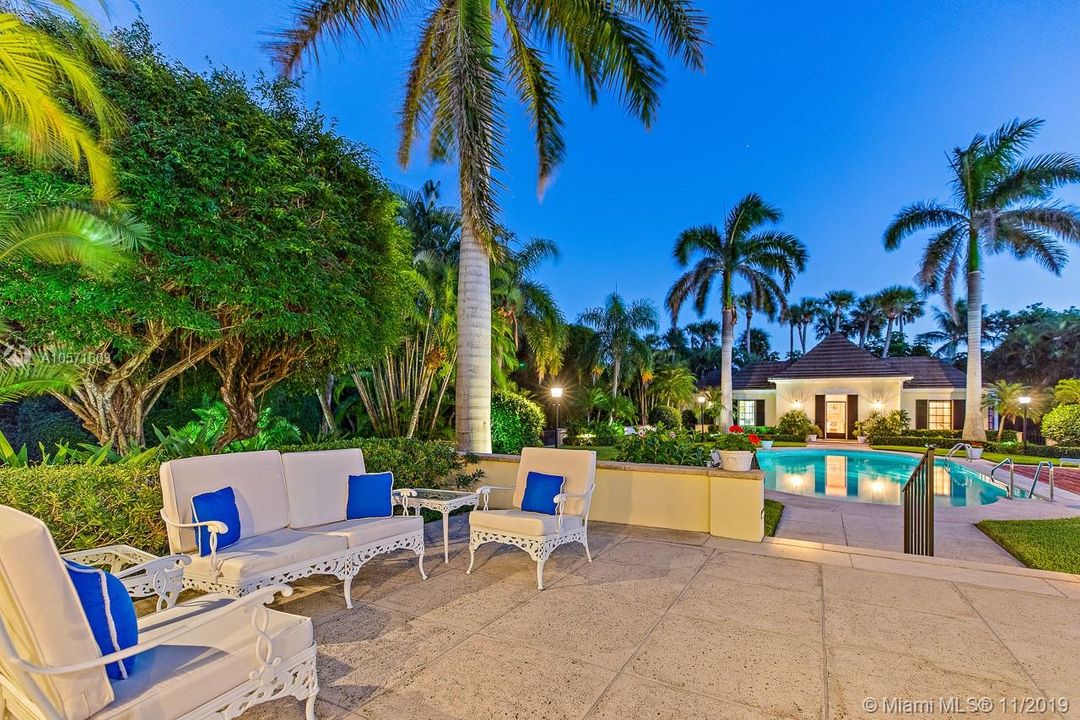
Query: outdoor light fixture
column 877, row 404
column 797, row 404
column 1025, row 400
column 556, row 394
column 701, row 412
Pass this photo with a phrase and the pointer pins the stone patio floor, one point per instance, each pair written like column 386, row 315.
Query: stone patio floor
column 669, row 624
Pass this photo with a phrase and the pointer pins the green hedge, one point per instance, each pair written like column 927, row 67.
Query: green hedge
column 415, row 463
column 915, row 441
column 1046, row 451
column 89, row 506
column 516, row 422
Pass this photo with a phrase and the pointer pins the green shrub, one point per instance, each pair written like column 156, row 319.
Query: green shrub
column 665, row 415
column 516, row 422
column 592, row 434
column 663, row 446
column 1046, row 451
column 796, row 423
column 87, row 507
column 914, row 441
column 415, row 463
column 891, row 424
column 734, row 441
column 1062, row 424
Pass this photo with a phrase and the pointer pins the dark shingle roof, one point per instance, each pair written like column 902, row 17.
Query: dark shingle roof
column 837, row 357
column 928, row 372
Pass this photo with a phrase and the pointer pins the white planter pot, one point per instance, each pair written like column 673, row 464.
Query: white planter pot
column 737, row 460
column 974, row 453
column 811, row 438
column 766, row 444
column 863, row 439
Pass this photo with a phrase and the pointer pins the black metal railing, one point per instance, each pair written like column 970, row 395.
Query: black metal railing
column 918, row 495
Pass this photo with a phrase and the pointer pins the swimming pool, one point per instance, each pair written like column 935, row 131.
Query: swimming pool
column 871, row 477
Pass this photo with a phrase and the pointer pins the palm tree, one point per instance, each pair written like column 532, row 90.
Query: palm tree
column 37, row 70
column 766, row 259
column 894, row 302
column 96, row 240
column 1067, row 392
column 801, row 314
column 951, row 333
column 455, row 88
column 1001, row 203
column 835, row 304
column 1004, row 397
column 747, row 302
column 674, row 385
column 618, row 328
column 865, row 318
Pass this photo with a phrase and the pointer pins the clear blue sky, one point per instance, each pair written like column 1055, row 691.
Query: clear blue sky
column 838, row 113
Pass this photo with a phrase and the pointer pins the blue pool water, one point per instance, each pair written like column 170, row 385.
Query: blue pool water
column 867, row 476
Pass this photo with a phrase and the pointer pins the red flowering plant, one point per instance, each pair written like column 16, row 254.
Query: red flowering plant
column 755, row 439
column 736, row 429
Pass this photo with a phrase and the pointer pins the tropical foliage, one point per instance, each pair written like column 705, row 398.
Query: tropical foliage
column 468, row 57
column 1001, row 202
column 747, row 250
column 1062, row 425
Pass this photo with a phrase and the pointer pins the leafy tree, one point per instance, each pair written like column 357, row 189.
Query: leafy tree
column 765, row 259
column 274, row 252
column 455, row 89
column 1062, row 425
column 618, row 327
column 1004, row 398
column 1042, row 347
column 1002, row 202
column 516, row 422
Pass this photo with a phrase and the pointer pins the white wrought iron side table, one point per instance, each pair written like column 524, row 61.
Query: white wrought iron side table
column 444, row 501
column 142, row 574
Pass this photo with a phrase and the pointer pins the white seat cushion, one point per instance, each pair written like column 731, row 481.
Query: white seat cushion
column 256, row 478
column 264, row 554
column 520, row 522
column 368, row 531
column 181, row 675
column 41, row 613
column 318, row 484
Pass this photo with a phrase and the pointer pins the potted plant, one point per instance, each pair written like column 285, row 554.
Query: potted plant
column 736, row 450
column 860, row 432
column 767, row 442
column 812, row 436
column 975, row 450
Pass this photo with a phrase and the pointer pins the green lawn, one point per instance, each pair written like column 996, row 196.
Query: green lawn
column 1040, row 544
column 991, row 456
column 785, row 443
column 603, row 452
column 773, row 512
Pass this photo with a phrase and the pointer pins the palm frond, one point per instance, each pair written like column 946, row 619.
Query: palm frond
column 919, row 216
column 37, row 377
column 333, row 19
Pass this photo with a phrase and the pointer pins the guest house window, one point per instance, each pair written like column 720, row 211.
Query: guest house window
column 939, row 414
column 747, row 415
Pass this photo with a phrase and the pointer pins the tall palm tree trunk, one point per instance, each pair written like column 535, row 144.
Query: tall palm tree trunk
column 974, row 427
column 791, row 339
column 748, row 335
column 473, row 388
column 727, row 344
column 615, row 372
column 888, row 339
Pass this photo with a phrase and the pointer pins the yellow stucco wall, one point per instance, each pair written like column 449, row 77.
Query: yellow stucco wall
column 725, row 504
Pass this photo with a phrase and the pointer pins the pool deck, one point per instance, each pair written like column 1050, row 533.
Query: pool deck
column 677, row 625
column 880, row 527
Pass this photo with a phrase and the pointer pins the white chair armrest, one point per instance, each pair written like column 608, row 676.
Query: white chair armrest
column 167, row 562
column 485, row 491
column 161, row 576
column 398, row 497
column 263, row 597
column 216, row 527
column 560, row 504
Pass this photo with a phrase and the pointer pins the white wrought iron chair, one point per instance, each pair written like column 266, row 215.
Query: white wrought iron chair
column 212, row 657
column 539, row 533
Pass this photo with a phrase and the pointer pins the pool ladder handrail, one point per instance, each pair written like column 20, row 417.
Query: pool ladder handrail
column 957, row 447
column 1050, row 480
column 1012, row 474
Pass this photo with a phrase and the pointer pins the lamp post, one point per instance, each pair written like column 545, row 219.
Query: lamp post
column 701, row 412
column 1025, row 400
column 556, row 395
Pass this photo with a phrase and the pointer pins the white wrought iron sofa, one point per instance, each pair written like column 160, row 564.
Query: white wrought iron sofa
column 539, row 533
column 293, row 522
column 212, row 657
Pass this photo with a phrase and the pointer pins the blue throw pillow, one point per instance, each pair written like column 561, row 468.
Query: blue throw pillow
column 218, row 505
column 369, row 495
column 540, row 492
column 110, row 612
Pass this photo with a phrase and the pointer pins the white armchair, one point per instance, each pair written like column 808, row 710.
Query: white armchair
column 212, row 657
column 539, row 533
